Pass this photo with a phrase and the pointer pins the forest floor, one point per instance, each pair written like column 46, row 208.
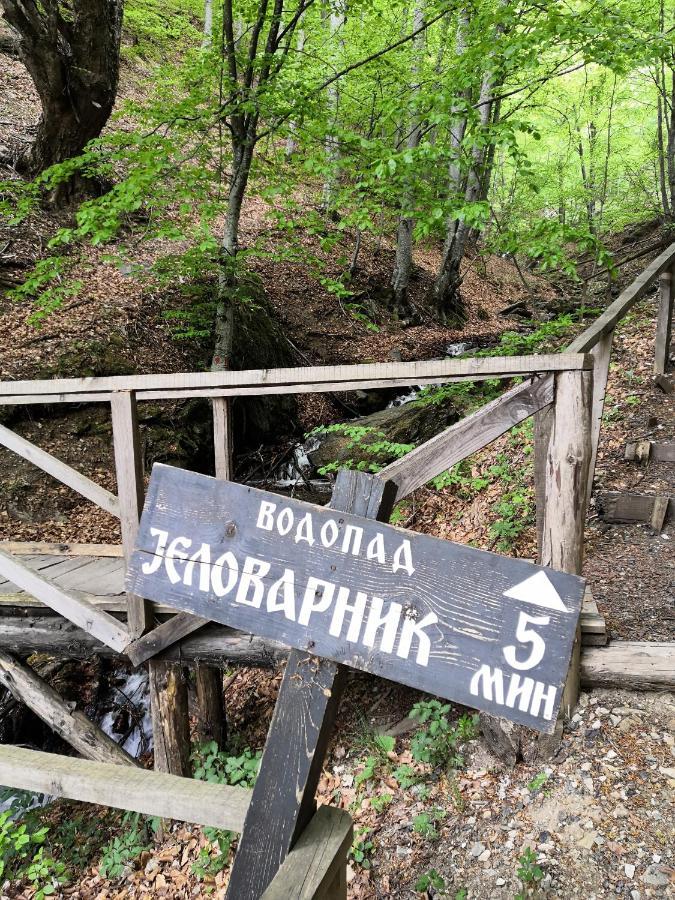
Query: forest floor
column 599, row 817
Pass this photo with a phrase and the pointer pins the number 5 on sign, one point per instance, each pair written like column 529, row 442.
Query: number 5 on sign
column 527, row 636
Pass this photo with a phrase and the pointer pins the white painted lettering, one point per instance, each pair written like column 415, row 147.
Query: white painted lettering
column 389, row 622
column 549, row 699
column 488, row 683
column 403, row 558
column 265, row 515
column 250, row 578
column 149, row 568
column 305, row 530
column 203, row 556
column 225, row 563
column 412, row 629
column 520, row 691
column 285, row 520
column 527, row 636
column 286, row 587
column 357, row 609
column 326, row 539
column 173, row 553
column 318, row 597
column 353, row 535
column 375, row 549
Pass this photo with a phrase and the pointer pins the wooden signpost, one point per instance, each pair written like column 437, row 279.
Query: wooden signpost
column 487, row 631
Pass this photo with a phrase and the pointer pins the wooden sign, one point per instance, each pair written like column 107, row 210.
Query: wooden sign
column 487, row 631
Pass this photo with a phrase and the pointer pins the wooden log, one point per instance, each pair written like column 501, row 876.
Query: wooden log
column 211, row 723
column 299, row 732
column 664, row 323
column 543, row 422
column 36, row 548
column 631, row 665
column 94, row 621
column 318, row 860
column 643, row 451
column 214, row 644
column 601, row 357
column 61, row 471
column 626, row 299
column 72, row 725
column 469, row 435
column 623, row 508
column 170, row 723
column 135, row 789
column 323, row 377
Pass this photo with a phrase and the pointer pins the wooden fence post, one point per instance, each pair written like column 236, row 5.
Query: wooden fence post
column 168, row 707
column 602, row 353
column 664, row 322
column 298, row 737
column 222, row 437
column 543, row 422
column 566, row 481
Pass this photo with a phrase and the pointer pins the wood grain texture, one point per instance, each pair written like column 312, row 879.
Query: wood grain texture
column 125, row 787
column 210, row 721
column 163, row 636
column 643, row 451
column 543, row 423
column 469, row 435
column 298, row 737
column 222, row 437
column 215, row 644
column 32, row 548
column 94, row 621
column 456, row 590
column 310, row 869
column 170, row 723
column 635, row 666
column 625, row 507
column 664, row 323
column 602, row 353
column 492, row 366
column 72, row 725
column 129, row 473
column 61, row 471
column 626, row 299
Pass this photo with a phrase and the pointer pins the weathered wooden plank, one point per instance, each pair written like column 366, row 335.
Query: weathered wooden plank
column 627, row 298
column 418, row 610
column 130, row 489
column 299, row 732
column 664, row 323
column 95, row 621
column 125, row 787
column 632, row 665
column 601, row 357
column 60, row 470
column 543, row 422
column 659, row 511
column 622, row 507
column 567, row 467
column 162, row 636
column 215, row 644
column 313, row 864
column 222, row 437
column 106, row 575
column 642, row 451
column 31, row 548
column 72, row 725
column 492, row 366
column 469, row 435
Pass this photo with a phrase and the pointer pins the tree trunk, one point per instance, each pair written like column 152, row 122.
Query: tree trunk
column 73, row 60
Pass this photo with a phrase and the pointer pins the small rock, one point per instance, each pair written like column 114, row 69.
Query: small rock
column 402, row 852
column 635, row 895
column 500, row 882
column 669, row 773
column 477, row 849
column 629, row 869
column 654, row 877
column 586, row 767
column 619, row 812
column 595, row 725
column 588, row 840
column 485, row 856
column 615, row 720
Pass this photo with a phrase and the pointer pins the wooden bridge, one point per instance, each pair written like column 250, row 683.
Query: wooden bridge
column 69, row 599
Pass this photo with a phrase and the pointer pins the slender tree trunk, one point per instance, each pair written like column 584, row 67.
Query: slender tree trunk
column 72, row 55
column 400, row 278
column 336, row 20
column 208, row 24
column 291, row 141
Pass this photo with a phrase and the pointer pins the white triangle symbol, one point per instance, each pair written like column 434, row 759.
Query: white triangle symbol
column 537, row 589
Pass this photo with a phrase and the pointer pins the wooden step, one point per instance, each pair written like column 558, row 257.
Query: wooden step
column 633, row 665
column 593, row 628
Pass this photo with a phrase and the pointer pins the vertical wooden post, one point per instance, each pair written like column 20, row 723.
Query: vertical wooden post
column 602, row 353
column 222, row 437
column 543, row 421
column 168, row 696
column 664, row 323
column 298, row 737
column 211, row 721
column 566, row 483
column 130, row 490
